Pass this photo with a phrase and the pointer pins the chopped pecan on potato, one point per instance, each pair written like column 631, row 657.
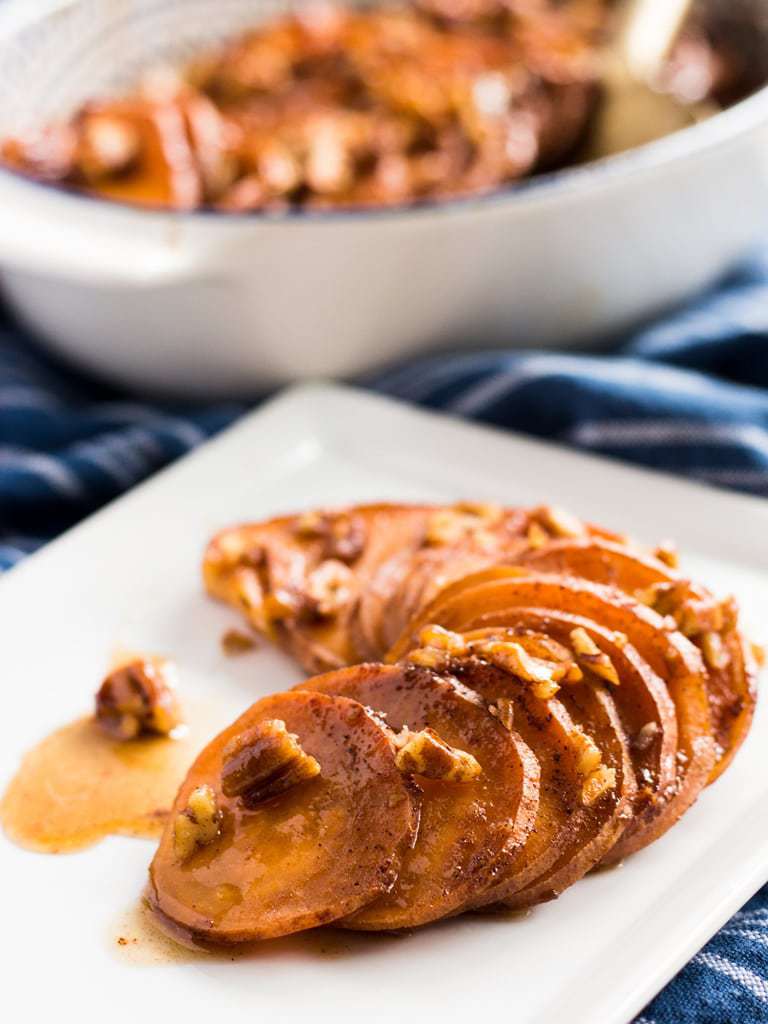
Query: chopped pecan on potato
column 667, row 553
column 198, row 824
column 425, row 753
column 599, row 782
column 464, row 521
column 342, row 535
column 138, row 699
column 558, row 522
column 695, row 614
column 646, row 736
column 504, row 710
column 598, row 777
column 226, row 873
column 436, row 648
column 329, row 588
column 544, row 675
column 263, row 762
column 591, row 657
column 108, row 145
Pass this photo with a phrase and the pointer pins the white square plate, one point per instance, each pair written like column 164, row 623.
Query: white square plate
column 129, row 577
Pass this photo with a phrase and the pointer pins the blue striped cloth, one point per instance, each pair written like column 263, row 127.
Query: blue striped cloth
column 688, row 395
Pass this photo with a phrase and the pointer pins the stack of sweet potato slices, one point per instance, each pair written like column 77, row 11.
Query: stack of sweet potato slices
column 529, row 697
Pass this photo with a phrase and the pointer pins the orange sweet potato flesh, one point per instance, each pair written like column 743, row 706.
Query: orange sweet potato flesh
column 232, row 572
column 392, row 575
column 166, row 175
column 701, row 712
column 570, row 837
column 470, row 833
column 731, row 688
column 641, row 701
column 318, row 852
column 399, row 570
column 479, row 600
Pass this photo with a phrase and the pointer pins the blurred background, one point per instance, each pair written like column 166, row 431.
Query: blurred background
column 546, row 215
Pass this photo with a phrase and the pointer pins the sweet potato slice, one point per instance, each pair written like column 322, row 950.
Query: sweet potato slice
column 470, row 833
column 276, row 574
column 667, row 652
column 336, row 587
column 263, row 570
column 161, row 166
column 394, row 533
column 308, row 854
column 575, row 827
column 730, row 672
column 642, row 701
column 429, row 571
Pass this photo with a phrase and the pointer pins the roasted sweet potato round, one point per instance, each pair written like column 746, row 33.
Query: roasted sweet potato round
column 470, row 832
column 487, row 596
column 642, row 699
column 663, row 681
column 730, row 671
column 337, row 587
column 261, row 844
column 642, row 702
column 587, row 779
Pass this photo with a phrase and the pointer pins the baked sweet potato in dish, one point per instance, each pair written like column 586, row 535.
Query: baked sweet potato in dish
column 471, row 831
column 294, row 816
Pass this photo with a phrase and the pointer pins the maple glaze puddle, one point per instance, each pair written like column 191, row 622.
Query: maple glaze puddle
column 78, row 785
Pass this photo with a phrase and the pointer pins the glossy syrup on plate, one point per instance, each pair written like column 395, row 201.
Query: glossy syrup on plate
column 78, row 785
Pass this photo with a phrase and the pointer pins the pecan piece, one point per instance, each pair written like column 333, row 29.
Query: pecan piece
column 598, row 778
column 589, row 654
column 597, row 783
column 436, row 648
column 263, row 762
column 346, row 538
column 464, row 521
column 429, row 657
column 536, row 535
column 714, row 650
column 645, row 737
column 343, row 536
column 693, row 615
column 559, row 522
column 513, row 658
column 198, row 824
column 666, row 552
column 108, row 145
column 137, row 699
column 487, row 511
column 443, row 640
column 234, row 642
column 445, row 527
column 504, row 711
column 330, row 587
column 310, row 525
column 589, row 756
column 425, row 753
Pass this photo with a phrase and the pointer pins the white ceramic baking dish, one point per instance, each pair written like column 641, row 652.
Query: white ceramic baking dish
column 215, row 304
